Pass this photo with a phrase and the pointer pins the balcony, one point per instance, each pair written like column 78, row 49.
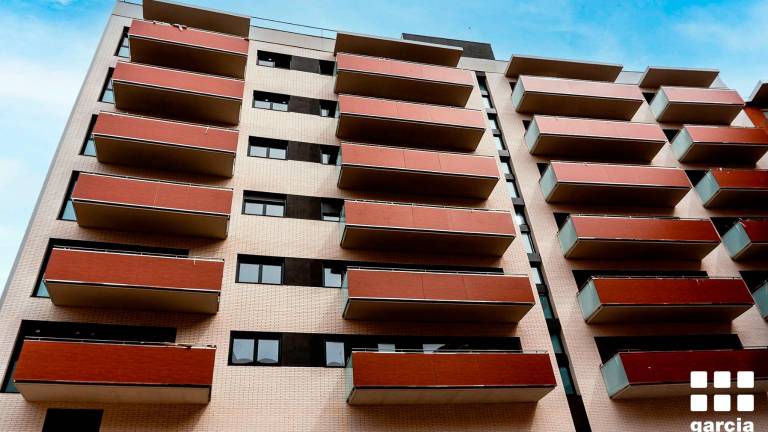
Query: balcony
column 197, row 17
column 761, row 299
column 366, row 167
column 188, row 49
column 397, row 49
column 576, row 98
column 616, row 237
column 733, row 188
column 407, row 227
column 577, row 139
column 104, row 279
column 653, row 374
column 747, row 239
column 393, row 79
column 759, row 96
column 696, row 105
column 384, row 378
column 720, row 144
column 153, row 143
column 655, row 77
column 408, row 124
column 177, row 94
column 131, row 204
column 114, row 372
column 561, row 68
column 627, row 185
column 638, row 299
column 405, row 295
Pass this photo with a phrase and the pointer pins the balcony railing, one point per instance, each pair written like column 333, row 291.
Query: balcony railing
column 407, row 295
column 761, row 299
column 114, row 372
column 383, row 378
column 735, row 188
column 696, row 105
column 747, row 239
column 153, row 143
column 606, row 299
column 720, row 144
column 397, row 49
column 197, row 17
column 561, row 68
column 628, row 185
column 367, row 167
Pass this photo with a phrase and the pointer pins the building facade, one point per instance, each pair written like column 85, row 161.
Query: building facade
column 246, row 228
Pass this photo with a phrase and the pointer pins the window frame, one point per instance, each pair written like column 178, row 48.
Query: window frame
column 265, row 199
column 256, row 337
column 260, row 96
column 124, row 43
column 261, row 261
column 269, row 144
column 108, row 88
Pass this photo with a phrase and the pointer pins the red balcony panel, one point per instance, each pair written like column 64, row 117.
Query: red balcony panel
column 747, row 239
column 154, row 143
column 380, row 378
column 637, row 299
column 720, row 144
column 564, row 97
column 409, row 124
column 561, row 68
column 177, row 94
column 397, row 49
column 114, row 372
column 696, row 105
column 757, row 117
column 667, row 373
column 90, row 278
column 407, row 81
column 146, row 205
column 197, row 17
column 737, row 188
column 188, row 49
column 581, row 139
column 384, row 294
column 615, row 237
column 573, row 182
column 655, row 77
column 374, row 225
column 366, row 167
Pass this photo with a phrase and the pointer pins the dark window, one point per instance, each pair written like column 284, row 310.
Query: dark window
column 263, row 204
column 327, row 108
column 482, row 84
column 259, row 270
column 275, row 60
column 565, row 374
column 263, row 350
column 124, row 49
column 331, row 209
column 327, row 67
column 334, row 274
column 329, row 155
column 65, row 420
column 108, row 92
column 649, row 96
column 68, row 209
column 89, row 146
column 267, row 148
column 270, row 101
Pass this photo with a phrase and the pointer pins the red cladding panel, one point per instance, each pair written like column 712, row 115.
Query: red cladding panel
column 398, row 158
column 581, row 88
column 147, row 193
column 702, row 95
column 405, row 111
column 620, row 174
column 756, row 229
column 741, row 179
column 455, row 369
column 103, row 363
column 162, row 131
column 757, row 115
column 381, row 66
column 567, row 126
column 671, row 291
column 659, row 229
column 721, row 134
column 96, row 267
column 188, row 36
column 675, row 366
column 178, row 80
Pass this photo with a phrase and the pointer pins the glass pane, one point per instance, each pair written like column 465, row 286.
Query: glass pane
column 385, row 347
column 277, row 106
column 267, row 63
column 512, row 189
column 519, row 217
column 334, row 354
column 242, row 351
column 499, row 142
column 557, row 345
column 536, row 273
column 274, row 210
column 124, row 52
column 493, row 123
column 428, row 348
column 10, row 387
column 505, row 168
column 527, row 243
column 42, row 290
column 90, row 147
column 271, row 274
column 248, row 273
column 544, row 300
column 257, row 151
column 261, row 104
column 487, row 101
column 268, row 351
column 332, row 277
column 276, row 153
column 69, row 211
column 108, row 96
column 567, row 382
column 253, row 208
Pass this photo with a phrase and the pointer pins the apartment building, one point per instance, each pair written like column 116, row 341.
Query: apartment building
column 248, row 228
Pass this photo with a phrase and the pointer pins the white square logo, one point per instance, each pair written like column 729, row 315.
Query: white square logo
column 723, row 380
column 699, row 403
column 745, row 379
column 698, row 379
column 745, row 403
column 722, row 402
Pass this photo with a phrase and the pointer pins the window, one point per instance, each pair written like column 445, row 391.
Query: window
column 386, row 347
column 329, row 155
column 275, row 60
column 487, row 102
column 259, row 351
column 327, row 108
column 499, row 142
column 565, row 374
column 512, row 188
column 108, row 92
column 67, row 212
column 327, row 67
column 259, row 270
column 546, row 306
column 557, row 344
column 431, row 347
column 262, row 204
column 520, row 216
column 331, row 209
column 483, row 84
column 270, row 101
column 64, row 420
column 334, row 354
column 124, row 49
column 536, row 273
column 492, row 122
column 268, row 351
column 504, row 164
column 242, row 351
column 527, row 243
column 89, row 146
column 267, row 148
column 334, row 275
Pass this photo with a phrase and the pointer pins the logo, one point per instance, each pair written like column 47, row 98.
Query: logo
column 722, row 381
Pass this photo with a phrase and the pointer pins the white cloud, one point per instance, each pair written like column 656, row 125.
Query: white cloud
column 733, row 27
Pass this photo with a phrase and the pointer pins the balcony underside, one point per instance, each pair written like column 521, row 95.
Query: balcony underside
column 636, row 249
column 714, row 114
column 187, row 57
column 614, row 313
column 400, row 49
column 445, row 395
column 401, row 88
column 655, row 77
column 411, row 181
column 594, row 148
column 383, row 238
column 197, row 17
column 387, row 309
column 721, row 153
column 738, row 198
column 653, row 391
column 127, row 394
column 578, row 106
column 623, row 195
column 384, row 130
column 562, row 68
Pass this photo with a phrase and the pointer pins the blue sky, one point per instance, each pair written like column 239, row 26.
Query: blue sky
column 47, row 47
